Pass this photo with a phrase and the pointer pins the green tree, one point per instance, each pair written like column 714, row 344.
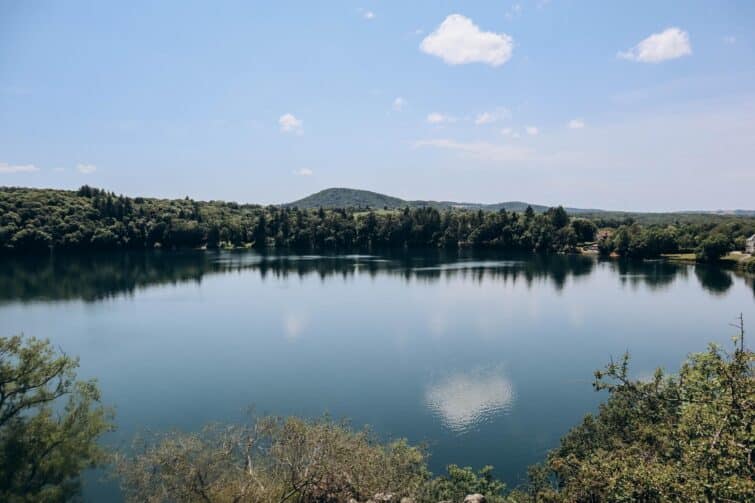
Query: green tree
column 49, row 422
column 460, row 482
column 713, row 248
column 585, row 229
column 31, row 239
column 685, row 437
column 558, row 217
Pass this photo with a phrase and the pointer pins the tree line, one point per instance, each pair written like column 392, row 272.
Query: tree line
column 39, row 220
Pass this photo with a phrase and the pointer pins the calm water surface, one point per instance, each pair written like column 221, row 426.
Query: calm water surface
column 487, row 358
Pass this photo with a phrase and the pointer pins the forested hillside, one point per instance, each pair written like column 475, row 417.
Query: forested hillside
column 348, row 198
column 353, row 198
column 37, row 220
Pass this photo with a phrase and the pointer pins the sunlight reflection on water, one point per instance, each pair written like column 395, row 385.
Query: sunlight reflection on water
column 464, row 401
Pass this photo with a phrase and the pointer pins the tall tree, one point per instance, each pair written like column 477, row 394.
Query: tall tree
column 49, row 422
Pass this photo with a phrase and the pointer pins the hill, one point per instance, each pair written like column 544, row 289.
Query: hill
column 348, row 198
column 353, row 198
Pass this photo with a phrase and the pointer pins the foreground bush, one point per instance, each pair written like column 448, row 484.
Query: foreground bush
column 279, row 460
column 49, row 423
column 272, row 460
column 687, row 437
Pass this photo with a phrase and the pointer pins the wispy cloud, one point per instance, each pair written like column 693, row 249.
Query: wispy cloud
column 368, row 14
column 398, row 104
column 510, row 132
column 439, row 118
column 304, row 172
column 576, row 124
column 730, row 40
column 514, row 11
column 86, row 169
column 459, row 41
column 17, row 168
column 491, row 117
column 532, row 130
column 483, row 150
column 671, row 43
column 290, row 124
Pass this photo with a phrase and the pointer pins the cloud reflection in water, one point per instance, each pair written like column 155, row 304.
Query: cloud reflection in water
column 464, row 401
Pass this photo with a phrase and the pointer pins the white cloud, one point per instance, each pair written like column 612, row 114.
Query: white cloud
column 304, row 172
column 290, row 124
column 86, row 169
column 485, row 118
column 532, row 130
column 514, row 11
column 398, row 104
column 730, row 39
column 491, row 117
column 671, row 43
column 459, row 41
column 576, row 124
column 438, row 118
column 482, row 150
column 507, row 131
column 17, row 168
column 368, row 14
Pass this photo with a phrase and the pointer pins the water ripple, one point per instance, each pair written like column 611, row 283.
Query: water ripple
column 464, row 401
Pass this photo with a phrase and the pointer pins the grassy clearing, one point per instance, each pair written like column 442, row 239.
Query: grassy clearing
column 681, row 257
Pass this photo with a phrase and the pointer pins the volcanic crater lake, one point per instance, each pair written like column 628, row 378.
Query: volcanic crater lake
column 487, row 358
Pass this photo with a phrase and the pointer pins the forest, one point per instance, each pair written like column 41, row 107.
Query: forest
column 40, row 220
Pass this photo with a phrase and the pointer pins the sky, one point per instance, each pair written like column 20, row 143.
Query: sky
column 646, row 106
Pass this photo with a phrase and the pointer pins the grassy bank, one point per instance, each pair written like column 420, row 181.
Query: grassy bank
column 738, row 260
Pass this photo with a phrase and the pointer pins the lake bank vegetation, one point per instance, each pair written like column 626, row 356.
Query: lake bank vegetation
column 673, row 437
column 40, row 220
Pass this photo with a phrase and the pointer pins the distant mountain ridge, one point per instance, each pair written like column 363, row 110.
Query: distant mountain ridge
column 338, row 197
column 341, row 197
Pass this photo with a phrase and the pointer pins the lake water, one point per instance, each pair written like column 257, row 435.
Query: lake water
column 488, row 358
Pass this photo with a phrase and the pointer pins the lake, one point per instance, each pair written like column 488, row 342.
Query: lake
column 487, row 358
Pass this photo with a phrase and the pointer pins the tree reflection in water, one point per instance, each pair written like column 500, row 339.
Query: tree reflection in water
column 94, row 277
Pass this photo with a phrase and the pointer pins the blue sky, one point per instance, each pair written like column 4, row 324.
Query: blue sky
column 631, row 105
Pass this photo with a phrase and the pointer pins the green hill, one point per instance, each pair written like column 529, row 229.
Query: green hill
column 348, row 198
column 353, row 198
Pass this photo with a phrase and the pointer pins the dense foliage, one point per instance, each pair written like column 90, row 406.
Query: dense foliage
column 688, row 437
column 33, row 220
column 710, row 238
column 49, row 423
column 275, row 460
column 348, row 198
column 36, row 220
